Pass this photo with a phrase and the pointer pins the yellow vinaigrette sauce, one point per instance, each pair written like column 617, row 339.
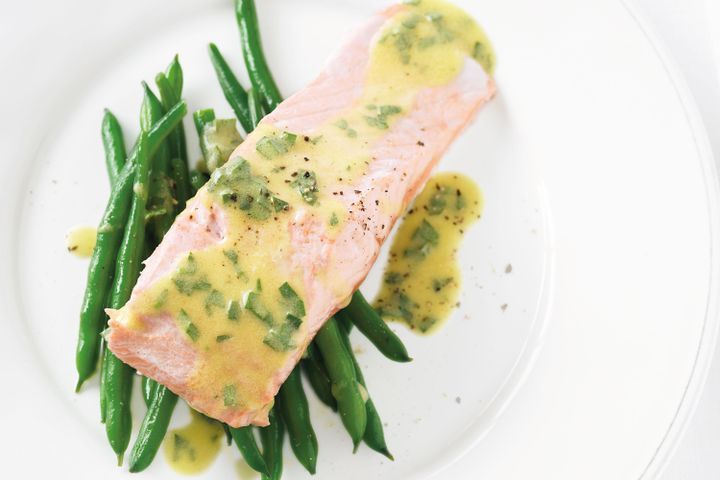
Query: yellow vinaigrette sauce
column 241, row 299
column 80, row 241
column 191, row 449
column 421, row 283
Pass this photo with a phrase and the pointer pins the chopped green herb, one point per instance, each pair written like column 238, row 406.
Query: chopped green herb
column 315, row 140
column 440, row 283
column 279, row 338
column 306, row 184
column 258, row 285
column 376, row 122
column 423, row 239
column 427, row 323
column 214, row 299
column 231, row 255
column 412, row 21
column 352, row 133
column 334, row 220
column 342, row 124
column 229, row 395
column 292, row 300
column 380, row 119
column 188, row 286
column 257, row 308
column 233, row 310
column 188, row 326
column 401, row 306
column 182, row 446
column 222, row 338
column 271, row 146
column 190, row 266
column 387, row 110
column 437, row 203
column 393, row 278
column 236, row 185
column 161, row 299
column 459, row 201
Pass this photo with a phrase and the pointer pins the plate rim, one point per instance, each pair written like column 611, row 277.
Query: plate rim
column 708, row 340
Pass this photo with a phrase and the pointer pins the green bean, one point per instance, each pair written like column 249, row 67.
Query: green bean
column 153, row 429
column 344, row 321
column 232, row 90
column 150, row 112
column 272, row 438
column 251, row 44
column 101, row 269
column 149, row 389
column 367, row 320
column 113, row 144
column 255, row 105
column 345, row 387
column 174, row 75
column 318, row 377
column 171, row 93
column 117, row 375
column 245, row 441
column 197, row 180
column 296, row 416
column 161, row 198
column 374, row 436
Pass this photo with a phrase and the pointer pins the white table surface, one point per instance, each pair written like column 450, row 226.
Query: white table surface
column 687, row 29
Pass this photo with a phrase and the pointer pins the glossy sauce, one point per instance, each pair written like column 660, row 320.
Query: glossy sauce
column 191, row 449
column 421, row 282
column 80, row 241
column 225, row 298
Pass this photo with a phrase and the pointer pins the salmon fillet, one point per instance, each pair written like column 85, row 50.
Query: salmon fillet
column 326, row 261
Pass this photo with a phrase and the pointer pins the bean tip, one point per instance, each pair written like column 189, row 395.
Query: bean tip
column 120, row 459
column 78, row 385
column 387, row 454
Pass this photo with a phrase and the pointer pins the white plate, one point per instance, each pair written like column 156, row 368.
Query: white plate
column 600, row 191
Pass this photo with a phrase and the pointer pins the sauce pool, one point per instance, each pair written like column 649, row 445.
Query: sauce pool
column 80, row 241
column 421, row 282
column 192, row 448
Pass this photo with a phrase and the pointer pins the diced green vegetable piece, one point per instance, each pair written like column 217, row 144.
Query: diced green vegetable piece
column 292, row 300
column 229, row 394
column 306, row 184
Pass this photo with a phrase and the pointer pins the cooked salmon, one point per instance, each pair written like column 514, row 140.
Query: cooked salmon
column 287, row 230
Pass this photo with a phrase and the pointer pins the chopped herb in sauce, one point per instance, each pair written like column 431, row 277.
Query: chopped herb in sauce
column 188, row 326
column 182, row 447
column 229, row 394
column 256, row 306
column 280, row 338
column 271, row 146
column 214, row 299
column 222, row 338
column 233, row 310
column 161, row 299
column 440, row 283
column 236, row 185
column 380, row 119
column 334, row 220
column 291, row 300
column 423, row 239
column 306, row 184
column 187, row 280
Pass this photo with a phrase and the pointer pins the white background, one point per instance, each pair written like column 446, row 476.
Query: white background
column 689, row 28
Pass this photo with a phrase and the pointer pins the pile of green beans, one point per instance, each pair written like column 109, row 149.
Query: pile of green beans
column 149, row 187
